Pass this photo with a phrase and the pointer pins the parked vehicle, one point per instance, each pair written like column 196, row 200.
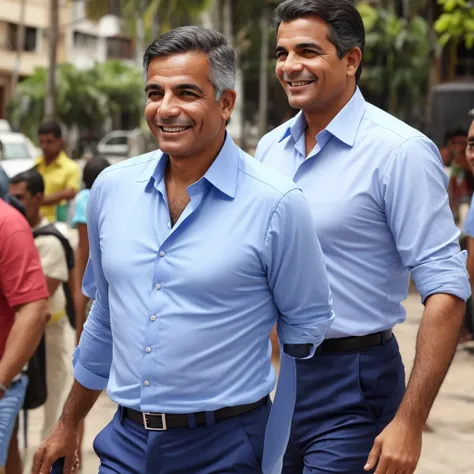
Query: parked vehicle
column 17, row 153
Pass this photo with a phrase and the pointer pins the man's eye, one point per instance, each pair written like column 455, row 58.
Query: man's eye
column 309, row 51
column 281, row 54
column 189, row 94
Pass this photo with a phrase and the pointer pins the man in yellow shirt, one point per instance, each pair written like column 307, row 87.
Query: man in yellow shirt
column 60, row 174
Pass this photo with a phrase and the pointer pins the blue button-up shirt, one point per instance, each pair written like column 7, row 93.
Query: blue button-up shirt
column 377, row 189
column 182, row 314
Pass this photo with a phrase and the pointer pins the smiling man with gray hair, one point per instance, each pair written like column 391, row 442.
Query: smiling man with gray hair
column 196, row 251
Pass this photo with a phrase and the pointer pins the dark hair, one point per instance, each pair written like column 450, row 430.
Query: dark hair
column 50, row 127
column 93, row 168
column 457, row 132
column 345, row 25
column 34, row 181
column 185, row 39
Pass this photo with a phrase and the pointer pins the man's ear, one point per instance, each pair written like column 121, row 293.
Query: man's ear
column 228, row 103
column 354, row 58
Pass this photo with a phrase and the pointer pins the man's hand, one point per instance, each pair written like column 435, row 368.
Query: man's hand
column 61, row 443
column 397, row 449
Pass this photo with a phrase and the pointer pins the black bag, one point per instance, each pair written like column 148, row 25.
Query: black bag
column 36, row 391
column 51, row 229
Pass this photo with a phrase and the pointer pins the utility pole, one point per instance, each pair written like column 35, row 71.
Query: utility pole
column 53, row 34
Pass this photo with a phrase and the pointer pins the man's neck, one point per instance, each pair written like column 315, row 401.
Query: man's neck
column 318, row 119
column 185, row 171
column 48, row 161
column 36, row 221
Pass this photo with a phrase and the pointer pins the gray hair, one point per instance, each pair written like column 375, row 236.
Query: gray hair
column 222, row 67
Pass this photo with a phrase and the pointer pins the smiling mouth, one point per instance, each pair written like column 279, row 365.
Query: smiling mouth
column 174, row 129
column 300, row 83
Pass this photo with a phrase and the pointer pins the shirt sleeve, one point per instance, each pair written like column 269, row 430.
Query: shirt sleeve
column 297, row 273
column 93, row 357
column 73, row 180
column 421, row 222
column 80, row 209
column 53, row 258
column 21, row 277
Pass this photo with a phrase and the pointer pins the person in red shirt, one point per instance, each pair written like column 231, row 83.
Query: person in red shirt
column 23, row 317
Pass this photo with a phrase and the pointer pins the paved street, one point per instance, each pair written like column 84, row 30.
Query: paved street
column 449, row 450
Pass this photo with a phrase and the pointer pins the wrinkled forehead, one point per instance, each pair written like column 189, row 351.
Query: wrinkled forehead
column 191, row 67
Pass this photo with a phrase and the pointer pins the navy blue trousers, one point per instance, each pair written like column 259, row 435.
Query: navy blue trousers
column 230, row 446
column 344, row 400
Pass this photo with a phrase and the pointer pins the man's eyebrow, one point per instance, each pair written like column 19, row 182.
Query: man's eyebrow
column 301, row 46
column 193, row 87
column 179, row 87
column 153, row 87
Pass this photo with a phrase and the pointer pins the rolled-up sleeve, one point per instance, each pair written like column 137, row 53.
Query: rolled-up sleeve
column 421, row 222
column 297, row 273
column 93, row 357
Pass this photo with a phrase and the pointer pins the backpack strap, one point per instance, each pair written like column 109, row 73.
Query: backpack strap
column 51, row 229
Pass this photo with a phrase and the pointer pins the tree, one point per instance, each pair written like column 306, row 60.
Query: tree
column 85, row 98
column 456, row 23
column 397, row 60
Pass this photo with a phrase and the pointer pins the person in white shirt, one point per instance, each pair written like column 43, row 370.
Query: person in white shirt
column 28, row 188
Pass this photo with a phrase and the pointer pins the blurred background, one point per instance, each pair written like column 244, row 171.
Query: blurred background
column 79, row 62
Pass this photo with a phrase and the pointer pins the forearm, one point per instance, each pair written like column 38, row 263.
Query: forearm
column 78, row 404
column 56, row 198
column 23, row 339
column 436, row 344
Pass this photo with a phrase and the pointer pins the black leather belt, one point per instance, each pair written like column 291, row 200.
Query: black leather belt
column 163, row 421
column 354, row 343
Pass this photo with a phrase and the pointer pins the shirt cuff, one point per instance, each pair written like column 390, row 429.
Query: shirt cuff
column 86, row 378
column 443, row 276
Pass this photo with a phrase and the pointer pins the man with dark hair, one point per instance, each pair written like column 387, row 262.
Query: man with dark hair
column 61, row 175
column 378, row 193
column 194, row 256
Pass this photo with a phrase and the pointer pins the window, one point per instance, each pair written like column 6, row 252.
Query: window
column 119, row 48
column 30, row 34
column 117, row 141
column 15, row 151
column 85, row 41
column 465, row 62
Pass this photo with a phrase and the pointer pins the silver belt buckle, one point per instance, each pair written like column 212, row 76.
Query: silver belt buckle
column 146, row 422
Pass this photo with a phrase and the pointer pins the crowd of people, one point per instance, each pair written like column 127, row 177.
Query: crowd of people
column 54, row 250
column 192, row 253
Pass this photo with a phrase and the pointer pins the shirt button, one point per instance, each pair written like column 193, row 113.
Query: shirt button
column 158, row 286
column 147, row 383
column 162, row 254
column 153, row 318
column 148, row 349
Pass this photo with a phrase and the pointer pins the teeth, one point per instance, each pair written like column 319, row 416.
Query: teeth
column 300, row 83
column 174, row 129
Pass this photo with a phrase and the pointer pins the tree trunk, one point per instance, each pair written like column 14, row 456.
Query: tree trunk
column 155, row 26
column 50, row 100
column 139, row 32
column 263, row 92
column 20, row 40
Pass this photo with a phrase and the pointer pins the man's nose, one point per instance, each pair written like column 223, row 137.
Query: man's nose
column 168, row 107
column 292, row 64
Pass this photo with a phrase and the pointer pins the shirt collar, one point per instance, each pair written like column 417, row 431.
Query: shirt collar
column 57, row 162
column 222, row 174
column 343, row 126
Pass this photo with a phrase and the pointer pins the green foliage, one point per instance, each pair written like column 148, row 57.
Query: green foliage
column 397, row 60
column 85, row 98
column 456, row 23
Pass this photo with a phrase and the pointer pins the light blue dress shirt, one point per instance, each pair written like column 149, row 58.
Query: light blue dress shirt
column 469, row 222
column 377, row 189
column 182, row 315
